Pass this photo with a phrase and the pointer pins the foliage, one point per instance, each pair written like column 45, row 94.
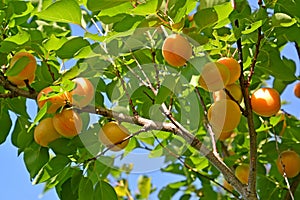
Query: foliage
column 133, row 83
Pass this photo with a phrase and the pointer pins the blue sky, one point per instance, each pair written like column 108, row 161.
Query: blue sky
column 15, row 182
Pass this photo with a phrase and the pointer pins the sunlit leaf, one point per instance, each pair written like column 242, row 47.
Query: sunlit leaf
column 67, row 11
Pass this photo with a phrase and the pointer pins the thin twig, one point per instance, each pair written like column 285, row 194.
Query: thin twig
column 297, row 49
column 257, row 48
column 233, row 99
column 283, row 167
column 180, row 159
column 206, row 123
column 135, row 113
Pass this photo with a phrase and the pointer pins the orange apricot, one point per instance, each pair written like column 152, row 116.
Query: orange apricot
column 224, row 116
column 214, row 76
column 242, row 173
column 233, row 66
column 68, row 123
column 44, row 132
column 289, row 162
column 83, row 92
column 265, row 102
column 297, row 90
column 224, row 135
column 28, row 65
column 233, row 89
column 112, row 133
column 56, row 100
column 176, row 50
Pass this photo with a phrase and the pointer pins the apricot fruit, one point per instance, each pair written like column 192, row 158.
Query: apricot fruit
column 297, row 90
column 83, row 92
column 44, row 132
column 112, row 133
column 176, row 50
column 27, row 64
column 233, row 89
column 214, row 76
column 56, row 100
column 224, row 116
column 265, row 102
column 242, row 173
column 233, row 66
column 67, row 123
column 289, row 162
column 224, row 135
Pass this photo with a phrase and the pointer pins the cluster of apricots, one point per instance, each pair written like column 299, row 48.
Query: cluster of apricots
column 224, row 114
column 220, row 78
column 64, row 121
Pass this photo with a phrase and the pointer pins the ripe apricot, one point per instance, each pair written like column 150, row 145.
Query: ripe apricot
column 68, row 123
column 233, row 66
column 233, row 89
column 176, row 50
column 224, row 135
column 214, row 76
column 28, row 63
column 44, row 132
column 289, row 161
column 297, row 90
column 83, row 93
column 265, row 102
column 112, row 133
column 224, row 116
column 242, row 173
column 57, row 100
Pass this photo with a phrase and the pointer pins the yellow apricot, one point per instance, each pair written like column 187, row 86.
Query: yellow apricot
column 112, row 133
column 289, row 161
column 176, row 50
column 44, row 132
column 214, row 76
column 233, row 66
column 224, row 116
column 233, row 89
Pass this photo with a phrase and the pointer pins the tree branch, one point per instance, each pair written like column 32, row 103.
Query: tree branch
column 31, row 94
column 251, row 189
column 178, row 130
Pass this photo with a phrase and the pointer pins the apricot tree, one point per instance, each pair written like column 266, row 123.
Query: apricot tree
column 149, row 72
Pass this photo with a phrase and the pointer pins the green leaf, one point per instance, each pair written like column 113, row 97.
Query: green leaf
column 209, row 3
column 282, row 19
column 149, row 7
column 66, row 11
column 144, row 186
column 71, row 47
column 6, row 124
column 20, row 137
column 41, row 113
column 96, row 5
column 35, row 159
column 104, row 190
column 9, row 44
column 62, row 146
column 206, row 17
column 85, row 190
column 253, row 27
